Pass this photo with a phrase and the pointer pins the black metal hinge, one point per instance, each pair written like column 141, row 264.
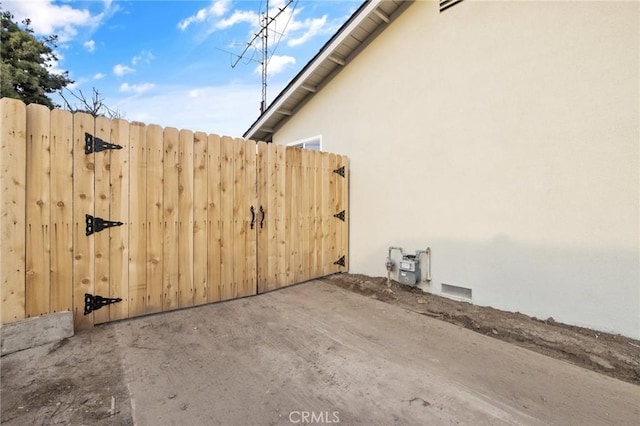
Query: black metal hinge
column 340, row 261
column 339, row 171
column 340, row 215
column 97, row 224
column 93, row 303
column 93, row 144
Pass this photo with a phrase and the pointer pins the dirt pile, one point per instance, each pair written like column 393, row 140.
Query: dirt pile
column 614, row 355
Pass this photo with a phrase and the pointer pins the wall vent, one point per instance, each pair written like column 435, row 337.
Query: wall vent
column 446, row 4
column 457, row 291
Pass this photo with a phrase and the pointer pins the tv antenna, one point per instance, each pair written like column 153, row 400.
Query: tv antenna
column 263, row 35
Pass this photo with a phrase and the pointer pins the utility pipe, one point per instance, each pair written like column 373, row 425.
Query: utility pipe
column 390, row 264
column 427, row 254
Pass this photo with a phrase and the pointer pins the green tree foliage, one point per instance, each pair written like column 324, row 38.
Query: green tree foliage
column 26, row 63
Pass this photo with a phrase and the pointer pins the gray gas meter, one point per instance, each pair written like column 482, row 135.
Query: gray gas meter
column 409, row 270
column 409, row 267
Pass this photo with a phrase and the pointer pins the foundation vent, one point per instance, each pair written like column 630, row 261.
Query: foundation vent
column 456, row 291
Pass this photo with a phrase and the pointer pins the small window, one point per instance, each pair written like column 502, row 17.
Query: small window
column 314, row 143
column 446, row 4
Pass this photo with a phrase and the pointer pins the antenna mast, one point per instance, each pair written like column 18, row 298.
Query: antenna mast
column 264, row 36
column 265, row 53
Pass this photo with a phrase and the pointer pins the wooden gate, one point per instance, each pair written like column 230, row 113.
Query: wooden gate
column 302, row 232
column 159, row 218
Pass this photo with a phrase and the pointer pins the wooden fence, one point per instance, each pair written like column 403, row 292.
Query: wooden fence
column 195, row 218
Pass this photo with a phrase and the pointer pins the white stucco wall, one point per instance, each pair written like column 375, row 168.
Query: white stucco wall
column 505, row 136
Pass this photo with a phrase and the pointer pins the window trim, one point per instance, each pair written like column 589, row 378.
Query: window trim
column 446, row 4
column 302, row 142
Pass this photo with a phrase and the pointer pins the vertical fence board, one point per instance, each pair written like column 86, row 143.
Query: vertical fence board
column 83, row 203
column 334, row 203
column 170, row 218
column 240, row 215
column 200, row 194
column 262, row 162
column 336, row 208
column 281, row 203
column 121, row 197
column 312, row 215
column 102, row 209
column 227, row 278
column 13, row 165
column 313, row 231
column 317, row 213
column 213, row 219
column 324, row 208
column 298, row 232
column 250, row 170
column 138, row 222
column 273, row 190
column 289, row 217
column 306, row 217
column 185, row 219
column 155, row 219
column 303, row 237
column 61, row 228
column 38, row 282
column 344, row 205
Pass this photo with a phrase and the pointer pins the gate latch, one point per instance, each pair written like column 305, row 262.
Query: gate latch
column 93, row 303
column 97, row 224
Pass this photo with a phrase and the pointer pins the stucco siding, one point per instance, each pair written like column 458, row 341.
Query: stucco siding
column 505, row 136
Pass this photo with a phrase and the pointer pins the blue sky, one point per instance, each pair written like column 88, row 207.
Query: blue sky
column 169, row 62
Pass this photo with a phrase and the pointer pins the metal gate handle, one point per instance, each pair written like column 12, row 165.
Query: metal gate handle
column 253, row 217
column 262, row 218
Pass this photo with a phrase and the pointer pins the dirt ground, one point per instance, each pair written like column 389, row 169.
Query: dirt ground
column 72, row 382
column 611, row 354
column 96, row 376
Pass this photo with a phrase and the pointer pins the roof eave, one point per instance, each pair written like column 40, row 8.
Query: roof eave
column 264, row 127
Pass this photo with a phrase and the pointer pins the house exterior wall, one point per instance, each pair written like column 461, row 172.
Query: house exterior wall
column 505, row 136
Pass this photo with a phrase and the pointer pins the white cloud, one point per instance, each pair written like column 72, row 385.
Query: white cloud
column 218, row 8
column 287, row 28
column 246, row 16
column 311, row 28
column 90, row 45
column 121, row 70
column 136, row 88
column 277, row 64
column 144, row 57
column 48, row 18
column 99, row 76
